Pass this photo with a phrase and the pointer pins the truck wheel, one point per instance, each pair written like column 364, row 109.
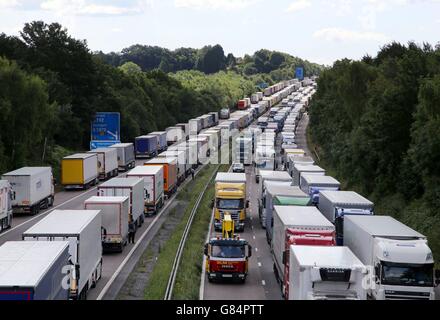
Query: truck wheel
column 51, row 201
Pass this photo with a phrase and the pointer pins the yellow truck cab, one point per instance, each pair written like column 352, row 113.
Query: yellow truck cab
column 230, row 198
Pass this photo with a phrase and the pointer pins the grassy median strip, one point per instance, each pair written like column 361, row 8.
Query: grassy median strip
column 156, row 287
column 190, row 269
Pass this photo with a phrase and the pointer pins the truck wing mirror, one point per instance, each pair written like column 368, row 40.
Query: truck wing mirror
column 249, row 251
column 205, row 251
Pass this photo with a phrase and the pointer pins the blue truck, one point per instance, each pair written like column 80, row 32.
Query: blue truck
column 146, row 146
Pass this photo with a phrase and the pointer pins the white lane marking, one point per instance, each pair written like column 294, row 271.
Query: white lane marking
column 256, row 249
column 47, row 212
column 263, row 282
column 253, row 237
column 259, row 264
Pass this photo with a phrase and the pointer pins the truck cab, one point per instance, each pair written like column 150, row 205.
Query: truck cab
column 7, row 195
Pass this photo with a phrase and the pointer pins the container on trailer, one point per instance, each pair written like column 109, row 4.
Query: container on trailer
column 299, row 169
column 33, row 270
column 127, row 187
column 185, row 128
column 79, row 170
column 195, row 126
column 206, row 121
column 82, row 228
column 293, row 159
column 312, row 184
column 114, row 214
column 107, row 162
column 169, row 173
column 146, row 146
column 175, row 135
column 126, row 159
column 162, row 141
column 32, row 187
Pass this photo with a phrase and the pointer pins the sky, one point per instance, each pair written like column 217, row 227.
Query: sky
column 320, row 31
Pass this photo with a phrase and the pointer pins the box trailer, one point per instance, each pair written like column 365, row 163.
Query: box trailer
column 82, row 228
column 33, row 189
column 185, row 128
column 6, row 197
column 127, row 187
column 114, row 213
column 162, row 141
column 400, row 260
column 312, row 184
column 126, row 159
column 292, row 159
column 183, row 167
column 299, row 169
column 169, row 173
column 33, row 270
column 195, row 126
column 215, row 116
column 175, row 135
column 297, row 217
column 190, row 149
column 325, row 273
column 79, row 171
column 153, row 178
column 335, row 205
column 146, row 146
column 107, row 162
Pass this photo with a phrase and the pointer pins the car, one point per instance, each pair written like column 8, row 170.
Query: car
column 238, row 168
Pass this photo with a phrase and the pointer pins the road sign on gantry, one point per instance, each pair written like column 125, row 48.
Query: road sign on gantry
column 299, row 73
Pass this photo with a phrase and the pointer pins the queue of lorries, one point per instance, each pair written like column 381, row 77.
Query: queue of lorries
column 61, row 256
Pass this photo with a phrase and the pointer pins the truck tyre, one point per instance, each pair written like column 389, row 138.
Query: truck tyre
column 51, row 200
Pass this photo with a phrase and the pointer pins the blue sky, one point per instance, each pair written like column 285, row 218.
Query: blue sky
column 318, row 30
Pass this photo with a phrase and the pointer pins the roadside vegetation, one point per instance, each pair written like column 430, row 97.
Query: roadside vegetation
column 376, row 125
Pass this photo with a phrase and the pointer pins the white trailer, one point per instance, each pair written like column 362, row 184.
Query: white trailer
column 401, row 263
column 175, row 134
column 312, row 184
column 325, row 273
column 299, row 169
column 130, row 187
column 107, row 162
column 126, row 158
column 33, row 188
column 195, row 126
column 114, row 212
column 183, row 167
column 185, row 128
column 34, row 270
column 82, row 228
column 6, row 197
column 152, row 177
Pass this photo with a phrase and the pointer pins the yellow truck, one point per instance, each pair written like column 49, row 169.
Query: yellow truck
column 79, row 171
column 230, row 198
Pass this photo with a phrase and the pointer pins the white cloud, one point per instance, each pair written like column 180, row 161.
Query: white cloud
column 83, row 7
column 9, row 3
column 214, row 4
column 299, row 5
column 344, row 35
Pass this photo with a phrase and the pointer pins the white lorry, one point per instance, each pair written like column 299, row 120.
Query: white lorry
column 6, row 198
column 33, row 188
column 82, row 228
column 114, row 212
column 107, row 162
column 325, row 273
column 313, row 183
column 299, row 169
column 126, row 158
column 401, row 263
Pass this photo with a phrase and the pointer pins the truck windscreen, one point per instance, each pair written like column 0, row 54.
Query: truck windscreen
column 230, row 204
column 228, row 251
column 399, row 274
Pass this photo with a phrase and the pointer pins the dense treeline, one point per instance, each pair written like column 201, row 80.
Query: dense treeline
column 376, row 124
column 51, row 85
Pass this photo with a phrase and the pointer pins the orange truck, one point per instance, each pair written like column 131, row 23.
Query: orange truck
column 169, row 173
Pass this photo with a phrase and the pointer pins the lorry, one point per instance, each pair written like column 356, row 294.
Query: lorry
column 6, row 198
column 153, row 194
column 299, row 169
column 243, row 150
column 312, row 184
column 169, row 173
column 190, row 150
column 325, row 273
column 183, row 166
column 79, row 171
column 175, row 135
column 292, row 159
column 82, row 229
column 230, row 198
column 127, row 187
column 228, row 255
column 33, row 270
column 115, row 213
column 107, row 162
column 400, row 260
column 224, row 113
column 146, row 146
column 185, row 128
column 265, row 159
column 294, row 195
column 293, row 217
column 335, row 205
column 33, row 189
column 126, row 159
column 215, row 117
column 195, row 126
column 162, row 140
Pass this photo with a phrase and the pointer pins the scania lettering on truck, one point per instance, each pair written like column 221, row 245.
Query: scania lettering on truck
column 107, row 162
column 146, row 146
column 293, row 217
column 33, row 189
column 127, row 187
column 33, row 270
column 313, row 183
column 230, row 198
column 115, row 213
column 6, row 197
column 82, row 228
column 152, row 177
column 401, row 262
column 126, row 159
column 335, row 205
column 325, row 273
column 79, row 171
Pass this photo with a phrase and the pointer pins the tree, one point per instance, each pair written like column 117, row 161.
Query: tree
column 130, row 68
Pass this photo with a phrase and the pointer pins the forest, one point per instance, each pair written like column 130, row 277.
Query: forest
column 375, row 124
